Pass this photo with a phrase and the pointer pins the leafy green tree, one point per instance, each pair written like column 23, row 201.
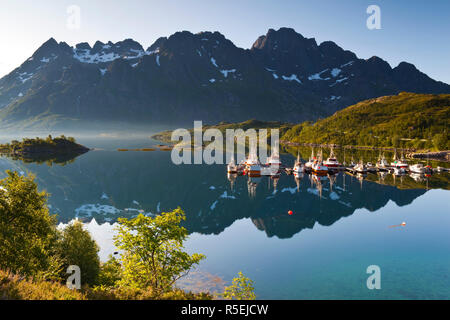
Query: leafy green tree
column 27, row 231
column 76, row 247
column 240, row 289
column 440, row 141
column 152, row 250
column 110, row 272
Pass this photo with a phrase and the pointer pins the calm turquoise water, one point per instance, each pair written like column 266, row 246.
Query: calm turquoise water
column 322, row 251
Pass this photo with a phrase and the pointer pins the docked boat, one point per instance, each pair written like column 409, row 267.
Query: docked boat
column 382, row 164
column 318, row 167
column 399, row 163
column 298, row 166
column 417, row 168
column 274, row 159
column 332, row 162
column 253, row 166
column 360, row 167
column 309, row 164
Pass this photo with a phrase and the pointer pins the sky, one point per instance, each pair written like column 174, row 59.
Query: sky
column 414, row 31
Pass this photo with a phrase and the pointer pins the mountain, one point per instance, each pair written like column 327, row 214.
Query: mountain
column 185, row 77
column 415, row 119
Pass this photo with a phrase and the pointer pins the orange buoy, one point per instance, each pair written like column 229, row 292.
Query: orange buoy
column 398, row 225
column 290, row 212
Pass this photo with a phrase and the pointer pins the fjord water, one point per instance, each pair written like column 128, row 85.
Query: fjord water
column 338, row 228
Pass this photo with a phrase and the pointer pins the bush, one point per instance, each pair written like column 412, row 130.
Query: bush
column 240, row 289
column 14, row 287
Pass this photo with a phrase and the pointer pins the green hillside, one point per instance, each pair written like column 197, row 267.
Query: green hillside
column 404, row 120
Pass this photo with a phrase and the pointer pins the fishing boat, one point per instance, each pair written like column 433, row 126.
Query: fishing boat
column 298, row 165
column 352, row 163
column 253, row 166
column 232, row 167
column 417, row 168
column 318, row 167
column 399, row 163
column 332, row 162
column 309, row 164
column 360, row 167
column 274, row 159
column 382, row 164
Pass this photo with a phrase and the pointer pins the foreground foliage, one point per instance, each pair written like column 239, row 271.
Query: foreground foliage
column 153, row 253
column 241, row 289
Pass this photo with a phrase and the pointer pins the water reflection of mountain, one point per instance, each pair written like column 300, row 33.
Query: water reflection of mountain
column 107, row 185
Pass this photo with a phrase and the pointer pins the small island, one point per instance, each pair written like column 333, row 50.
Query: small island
column 59, row 150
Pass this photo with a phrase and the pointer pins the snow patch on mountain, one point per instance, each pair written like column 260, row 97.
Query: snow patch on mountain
column 213, row 61
column 335, row 72
column 225, row 72
column 292, row 77
column 85, row 56
column 317, row 76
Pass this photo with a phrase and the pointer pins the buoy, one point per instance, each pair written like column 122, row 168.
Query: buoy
column 290, row 212
column 398, row 225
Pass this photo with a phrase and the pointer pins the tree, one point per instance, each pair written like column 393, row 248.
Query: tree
column 110, row 272
column 240, row 289
column 76, row 247
column 27, row 231
column 153, row 250
column 440, row 141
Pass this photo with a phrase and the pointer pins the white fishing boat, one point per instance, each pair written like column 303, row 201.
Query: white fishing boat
column 382, row 164
column 332, row 162
column 360, row 167
column 274, row 159
column 370, row 167
column 298, row 165
column 399, row 163
column 253, row 166
column 309, row 164
column 318, row 167
column 417, row 168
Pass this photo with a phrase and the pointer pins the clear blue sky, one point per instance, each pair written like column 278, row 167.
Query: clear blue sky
column 413, row 31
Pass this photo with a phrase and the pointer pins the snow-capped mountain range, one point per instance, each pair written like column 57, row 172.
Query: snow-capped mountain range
column 283, row 76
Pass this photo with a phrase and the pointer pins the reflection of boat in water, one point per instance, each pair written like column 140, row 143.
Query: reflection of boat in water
column 417, row 168
column 252, row 184
column 398, row 171
column 318, row 180
column 232, row 167
column 370, row 167
column 418, row 177
column 298, row 177
column 232, row 178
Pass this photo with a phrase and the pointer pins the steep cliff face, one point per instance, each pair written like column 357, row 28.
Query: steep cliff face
column 283, row 76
